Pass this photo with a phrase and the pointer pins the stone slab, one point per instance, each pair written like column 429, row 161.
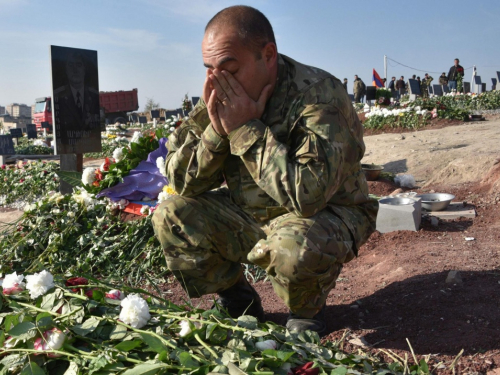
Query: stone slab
column 455, row 210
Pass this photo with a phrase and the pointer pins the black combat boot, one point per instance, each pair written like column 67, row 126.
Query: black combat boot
column 241, row 299
column 296, row 323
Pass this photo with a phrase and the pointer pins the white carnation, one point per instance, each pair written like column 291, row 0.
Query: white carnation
column 135, row 138
column 118, row 154
column 145, row 210
column 172, row 129
column 160, row 164
column 268, row 344
column 88, row 176
column 135, row 311
column 39, row 283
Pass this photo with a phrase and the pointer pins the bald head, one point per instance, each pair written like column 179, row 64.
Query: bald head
column 253, row 28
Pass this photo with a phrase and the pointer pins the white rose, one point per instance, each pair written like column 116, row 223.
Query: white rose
column 172, row 129
column 71, row 214
column 145, row 210
column 39, row 283
column 13, row 284
column 135, row 311
column 268, row 344
column 118, row 154
column 185, row 328
column 52, row 340
column 88, row 176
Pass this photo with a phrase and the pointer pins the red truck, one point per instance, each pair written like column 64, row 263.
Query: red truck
column 116, row 104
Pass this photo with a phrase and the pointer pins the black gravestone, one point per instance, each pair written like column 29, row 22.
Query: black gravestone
column 483, row 87
column 46, row 125
column 155, row 114
column 498, row 78
column 438, row 90
column 31, row 130
column 16, row 133
column 431, row 91
column 494, row 83
column 143, row 120
column 6, row 145
column 414, row 87
column 195, row 100
column 371, row 92
column 446, row 89
column 466, row 87
column 162, row 119
column 395, row 94
column 477, row 80
column 134, row 118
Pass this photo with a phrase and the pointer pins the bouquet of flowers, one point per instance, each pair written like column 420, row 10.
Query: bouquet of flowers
column 187, row 106
column 383, row 96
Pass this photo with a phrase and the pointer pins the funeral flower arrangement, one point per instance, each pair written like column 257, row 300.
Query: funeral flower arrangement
column 383, row 96
column 79, row 325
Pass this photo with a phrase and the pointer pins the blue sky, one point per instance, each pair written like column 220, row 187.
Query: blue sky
column 155, row 45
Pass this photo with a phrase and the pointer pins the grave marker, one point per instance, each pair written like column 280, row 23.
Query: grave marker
column 31, row 131
column 143, row 120
column 438, row 90
column 371, row 93
column 483, row 87
column 16, row 133
column 414, row 87
column 494, row 83
column 446, row 89
column 155, row 114
column 6, row 147
column 466, row 87
column 195, row 100
column 430, row 89
column 162, row 119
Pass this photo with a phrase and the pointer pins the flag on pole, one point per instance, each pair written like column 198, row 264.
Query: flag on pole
column 377, row 81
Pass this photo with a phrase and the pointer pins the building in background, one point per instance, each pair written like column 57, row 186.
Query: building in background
column 2, row 110
column 33, row 110
column 18, row 110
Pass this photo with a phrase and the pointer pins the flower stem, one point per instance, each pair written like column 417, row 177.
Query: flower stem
column 38, row 309
column 198, row 338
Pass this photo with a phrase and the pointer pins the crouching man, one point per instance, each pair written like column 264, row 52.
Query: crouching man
column 287, row 142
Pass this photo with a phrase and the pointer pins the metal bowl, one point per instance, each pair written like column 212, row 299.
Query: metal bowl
column 372, row 171
column 435, row 201
column 396, row 201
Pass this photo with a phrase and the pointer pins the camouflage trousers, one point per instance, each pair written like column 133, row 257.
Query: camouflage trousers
column 206, row 238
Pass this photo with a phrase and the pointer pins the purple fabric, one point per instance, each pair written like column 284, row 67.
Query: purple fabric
column 143, row 181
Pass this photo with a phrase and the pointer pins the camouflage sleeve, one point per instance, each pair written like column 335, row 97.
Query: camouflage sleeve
column 196, row 154
column 304, row 176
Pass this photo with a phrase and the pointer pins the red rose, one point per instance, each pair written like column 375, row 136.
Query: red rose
column 305, row 369
column 21, row 180
column 4, row 166
column 73, row 281
column 90, row 293
column 106, row 165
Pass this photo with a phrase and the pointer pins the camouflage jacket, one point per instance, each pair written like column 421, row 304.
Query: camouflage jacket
column 302, row 156
column 426, row 82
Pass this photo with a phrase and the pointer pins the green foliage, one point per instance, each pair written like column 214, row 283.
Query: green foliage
column 96, row 341
column 27, row 181
column 77, row 234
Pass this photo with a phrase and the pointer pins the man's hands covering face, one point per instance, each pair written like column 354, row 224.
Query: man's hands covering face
column 228, row 104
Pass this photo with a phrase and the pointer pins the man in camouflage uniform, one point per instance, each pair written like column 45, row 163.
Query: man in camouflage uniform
column 285, row 138
column 426, row 82
column 359, row 89
column 443, row 80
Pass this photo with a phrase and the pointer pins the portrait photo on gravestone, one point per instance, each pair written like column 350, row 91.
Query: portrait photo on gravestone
column 75, row 86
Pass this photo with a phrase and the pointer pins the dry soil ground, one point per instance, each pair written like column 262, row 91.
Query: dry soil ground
column 395, row 290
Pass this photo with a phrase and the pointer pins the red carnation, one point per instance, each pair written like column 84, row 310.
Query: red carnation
column 73, row 281
column 106, row 165
column 306, row 369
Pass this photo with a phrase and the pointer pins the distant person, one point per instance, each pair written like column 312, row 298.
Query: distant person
column 392, row 85
column 77, row 104
column 345, row 84
column 453, row 74
column 359, row 89
column 426, row 82
column 400, row 86
column 443, row 80
column 419, row 83
column 414, row 76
